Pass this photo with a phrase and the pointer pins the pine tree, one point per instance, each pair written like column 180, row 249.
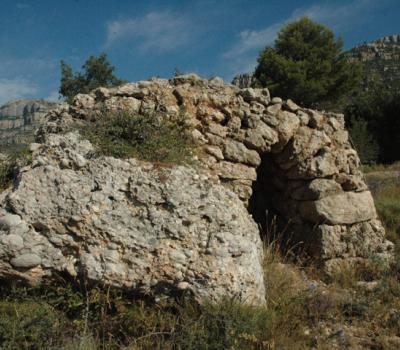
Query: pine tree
column 306, row 65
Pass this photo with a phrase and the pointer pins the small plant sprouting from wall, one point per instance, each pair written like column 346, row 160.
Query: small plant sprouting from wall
column 152, row 137
column 10, row 164
column 6, row 174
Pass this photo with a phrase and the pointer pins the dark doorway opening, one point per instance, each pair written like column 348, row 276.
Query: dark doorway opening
column 261, row 203
column 275, row 212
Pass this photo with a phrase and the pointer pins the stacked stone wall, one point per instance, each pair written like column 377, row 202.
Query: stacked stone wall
column 314, row 177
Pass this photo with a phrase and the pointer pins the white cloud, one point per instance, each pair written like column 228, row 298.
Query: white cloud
column 160, row 31
column 13, row 89
column 251, row 41
column 27, row 66
column 27, row 77
column 337, row 17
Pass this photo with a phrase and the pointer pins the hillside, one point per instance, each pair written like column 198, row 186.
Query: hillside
column 19, row 119
column 381, row 60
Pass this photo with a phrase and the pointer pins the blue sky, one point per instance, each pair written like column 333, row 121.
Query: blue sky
column 151, row 38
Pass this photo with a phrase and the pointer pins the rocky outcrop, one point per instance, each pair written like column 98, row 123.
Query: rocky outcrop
column 20, row 119
column 145, row 227
column 380, row 59
column 128, row 224
column 244, row 80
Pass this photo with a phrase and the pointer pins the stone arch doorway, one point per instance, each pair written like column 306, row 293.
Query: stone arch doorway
column 298, row 164
column 261, row 202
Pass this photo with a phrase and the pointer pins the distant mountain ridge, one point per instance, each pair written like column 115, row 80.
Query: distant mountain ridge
column 381, row 61
column 380, row 58
column 19, row 119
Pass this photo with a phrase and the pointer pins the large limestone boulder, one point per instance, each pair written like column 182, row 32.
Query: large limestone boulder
column 128, row 224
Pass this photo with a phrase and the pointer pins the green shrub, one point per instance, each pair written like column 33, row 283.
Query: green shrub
column 9, row 166
column 226, row 325
column 150, row 137
column 96, row 72
column 364, row 142
column 379, row 107
column 29, row 325
column 94, row 318
column 6, row 174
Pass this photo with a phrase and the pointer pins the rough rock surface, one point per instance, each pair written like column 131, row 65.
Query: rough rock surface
column 128, row 224
column 132, row 224
column 243, row 80
column 380, row 60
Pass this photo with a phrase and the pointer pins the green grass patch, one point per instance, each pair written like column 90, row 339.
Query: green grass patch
column 29, row 325
column 387, row 201
column 381, row 167
column 87, row 318
column 73, row 317
column 152, row 137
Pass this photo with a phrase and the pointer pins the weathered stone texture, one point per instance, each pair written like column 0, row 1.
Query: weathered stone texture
column 131, row 224
column 128, row 224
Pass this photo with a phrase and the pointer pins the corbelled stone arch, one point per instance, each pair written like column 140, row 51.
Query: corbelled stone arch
column 265, row 191
column 298, row 162
column 140, row 226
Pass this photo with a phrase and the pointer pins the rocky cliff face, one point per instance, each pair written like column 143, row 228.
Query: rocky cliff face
column 147, row 227
column 243, row 81
column 381, row 60
column 20, row 119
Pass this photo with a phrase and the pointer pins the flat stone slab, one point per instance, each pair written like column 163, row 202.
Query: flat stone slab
column 343, row 208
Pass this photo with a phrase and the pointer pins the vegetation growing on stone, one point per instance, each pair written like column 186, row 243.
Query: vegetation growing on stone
column 6, row 173
column 150, row 137
column 306, row 64
column 134, row 255
column 9, row 165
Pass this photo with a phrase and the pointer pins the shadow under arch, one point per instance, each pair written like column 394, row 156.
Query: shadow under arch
column 269, row 206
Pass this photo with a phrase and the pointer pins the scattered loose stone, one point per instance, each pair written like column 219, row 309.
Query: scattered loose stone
column 8, row 221
column 26, row 261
